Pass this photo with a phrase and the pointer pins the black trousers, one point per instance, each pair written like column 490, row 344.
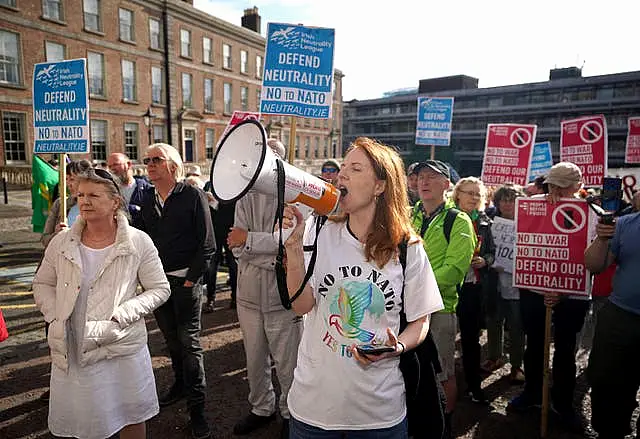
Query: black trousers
column 568, row 319
column 470, row 319
column 179, row 321
column 223, row 253
column 614, row 372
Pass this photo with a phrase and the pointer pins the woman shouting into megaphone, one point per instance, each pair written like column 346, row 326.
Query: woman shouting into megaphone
column 348, row 375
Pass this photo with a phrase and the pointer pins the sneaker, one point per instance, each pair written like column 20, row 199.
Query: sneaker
column 522, row 403
column 477, row 396
column 516, row 376
column 199, row 426
column 175, row 394
column 284, row 433
column 250, row 423
column 209, row 307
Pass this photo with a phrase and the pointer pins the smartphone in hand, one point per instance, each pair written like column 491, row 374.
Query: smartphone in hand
column 370, row 349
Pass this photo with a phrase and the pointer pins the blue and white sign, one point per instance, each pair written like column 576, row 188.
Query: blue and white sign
column 61, row 107
column 541, row 160
column 434, row 121
column 298, row 71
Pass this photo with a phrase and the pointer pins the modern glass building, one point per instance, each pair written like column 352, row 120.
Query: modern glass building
column 567, row 94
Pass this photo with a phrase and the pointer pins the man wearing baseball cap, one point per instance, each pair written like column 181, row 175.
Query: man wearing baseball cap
column 449, row 240
column 412, row 183
column 330, row 170
column 564, row 181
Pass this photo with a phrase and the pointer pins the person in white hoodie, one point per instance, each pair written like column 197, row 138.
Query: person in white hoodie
column 102, row 380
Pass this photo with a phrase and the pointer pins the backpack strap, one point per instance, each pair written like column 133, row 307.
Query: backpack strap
column 312, row 262
column 402, row 256
column 449, row 219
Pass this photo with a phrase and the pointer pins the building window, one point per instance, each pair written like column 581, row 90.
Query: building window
column 206, row 51
column 244, row 98
column 95, row 63
column 226, row 56
column 8, row 3
column 623, row 90
column 586, row 94
column 326, row 148
column 228, row 106
column 155, row 34
column 99, row 140
column 297, row 150
column 316, row 150
column 92, row 19
column 209, row 140
column 13, row 127
column 244, row 60
column 605, row 92
column 208, row 95
column 9, row 58
column 187, row 90
column 53, row 52
column 185, row 43
column 157, row 94
column 158, row 133
column 131, row 140
column 258, row 98
column 258, row 66
column 307, row 147
column 52, row 9
column 127, row 32
column 128, row 80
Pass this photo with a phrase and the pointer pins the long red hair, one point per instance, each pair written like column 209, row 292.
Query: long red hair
column 391, row 221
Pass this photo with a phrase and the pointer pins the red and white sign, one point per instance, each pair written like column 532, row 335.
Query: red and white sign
column 632, row 152
column 507, row 153
column 240, row 116
column 584, row 141
column 550, row 242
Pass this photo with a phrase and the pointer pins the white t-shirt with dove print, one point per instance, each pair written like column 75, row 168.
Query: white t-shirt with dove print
column 355, row 303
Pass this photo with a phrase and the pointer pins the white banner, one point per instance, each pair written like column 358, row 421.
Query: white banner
column 504, row 236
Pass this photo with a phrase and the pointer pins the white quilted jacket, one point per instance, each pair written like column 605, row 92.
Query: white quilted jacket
column 133, row 260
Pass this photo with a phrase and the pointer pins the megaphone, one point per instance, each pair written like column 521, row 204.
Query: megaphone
column 244, row 161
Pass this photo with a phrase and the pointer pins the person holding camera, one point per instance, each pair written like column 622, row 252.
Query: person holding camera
column 615, row 357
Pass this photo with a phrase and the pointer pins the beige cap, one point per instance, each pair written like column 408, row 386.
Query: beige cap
column 564, row 174
column 194, row 170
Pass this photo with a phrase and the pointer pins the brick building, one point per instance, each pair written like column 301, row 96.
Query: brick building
column 186, row 70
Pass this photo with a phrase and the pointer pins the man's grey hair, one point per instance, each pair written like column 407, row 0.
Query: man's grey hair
column 173, row 156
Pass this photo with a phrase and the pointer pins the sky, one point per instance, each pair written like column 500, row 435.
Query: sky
column 383, row 46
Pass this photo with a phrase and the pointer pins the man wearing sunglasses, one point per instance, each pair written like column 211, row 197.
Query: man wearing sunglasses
column 330, row 170
column 176, row 216
column 132, row 189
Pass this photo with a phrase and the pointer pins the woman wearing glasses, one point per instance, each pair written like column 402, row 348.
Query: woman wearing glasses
column 102, row 380
column 469, row 195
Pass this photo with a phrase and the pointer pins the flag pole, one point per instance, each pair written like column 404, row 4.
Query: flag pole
column 292, row 139
column 62, row 188
column 433, row 152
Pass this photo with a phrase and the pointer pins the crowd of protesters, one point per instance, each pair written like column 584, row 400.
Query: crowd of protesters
column 168, row 234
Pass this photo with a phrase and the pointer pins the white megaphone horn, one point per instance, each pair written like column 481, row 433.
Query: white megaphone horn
column 244, row 162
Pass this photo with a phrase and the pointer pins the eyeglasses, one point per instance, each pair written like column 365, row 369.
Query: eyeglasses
column 471, row 193
column 329, row 170
column 106, row 175
column 155, row 160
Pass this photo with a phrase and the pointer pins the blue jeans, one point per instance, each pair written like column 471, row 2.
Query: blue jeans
column 300, row 430
column 179, row 321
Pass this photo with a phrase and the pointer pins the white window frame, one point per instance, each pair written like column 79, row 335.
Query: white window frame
column 244, row 61
column 98, row 15
column 187, row 101
column 207, row 53
column 227, row 58
column 244, row 98
column 153, row 37
column 6, row 65
column 131, row 149
column 53, row 5
column 134, row 91
column 185, row 44
column 131, row 25
column 102, row 74
column 208, row 106
column 228, row 98
column 154, row 86
column 18, row 137
column 95, row 138
column 259, row 66
column 209, row 143
column 48, row 49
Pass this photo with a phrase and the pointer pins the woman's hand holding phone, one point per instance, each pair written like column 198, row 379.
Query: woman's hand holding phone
column 392, row 346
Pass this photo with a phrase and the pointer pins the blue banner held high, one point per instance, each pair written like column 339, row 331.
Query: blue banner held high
column 61, row 107
column 541, row 160
column 433, row 126
column 298, row 71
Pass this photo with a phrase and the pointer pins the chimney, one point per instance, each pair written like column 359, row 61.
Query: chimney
column 251, row 19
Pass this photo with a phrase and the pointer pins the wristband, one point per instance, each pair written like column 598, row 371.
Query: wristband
column 403, row 347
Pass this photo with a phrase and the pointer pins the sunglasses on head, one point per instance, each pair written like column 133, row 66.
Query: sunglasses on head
column 329, row 170
column 105, row 175
column 155, row 160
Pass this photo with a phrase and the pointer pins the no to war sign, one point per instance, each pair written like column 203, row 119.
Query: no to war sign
column 507, row 153
column 298, row 71
column 550, row 244
column 632, row 151
column 584, row 142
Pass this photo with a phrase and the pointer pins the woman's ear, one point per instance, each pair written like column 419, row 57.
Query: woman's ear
column 380, row 186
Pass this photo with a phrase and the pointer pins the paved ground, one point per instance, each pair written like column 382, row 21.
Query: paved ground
column 24, row 365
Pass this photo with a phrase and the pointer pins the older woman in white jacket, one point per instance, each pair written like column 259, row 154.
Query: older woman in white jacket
column 102, row 380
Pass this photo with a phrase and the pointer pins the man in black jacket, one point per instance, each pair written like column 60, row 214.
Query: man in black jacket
column 132, row 188
column 177, row 218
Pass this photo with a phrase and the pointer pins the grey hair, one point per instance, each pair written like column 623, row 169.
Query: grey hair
column 110, row 185
column 471, row 180
column 173, row 156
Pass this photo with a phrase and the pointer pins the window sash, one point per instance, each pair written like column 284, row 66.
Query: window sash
column 9, row 58
column 226, row 53
column 244, row 98
column 126, row 24
column 227, row 98
column 52, row 9
column 99, row 139
column 208, row 94
column 243, row 61
column 156, row 85
column 185, row 43
column 96, row 74
column 209, row 140
column 92, row 15
column 187, row 94
column 13, row 125
column 154, row 34
column 54, row 51
column 128, row 80
column 131, row 140
column 206, row 50
column 158, row 133
column 258, row 66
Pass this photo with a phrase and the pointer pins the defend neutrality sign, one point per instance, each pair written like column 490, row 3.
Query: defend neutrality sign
column 298, row 71
column 632, row 151
column 584, row 141
column 61, row 107
column 550, row 244
column 507, row 153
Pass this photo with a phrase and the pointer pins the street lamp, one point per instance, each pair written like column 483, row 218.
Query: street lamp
column 148, row 120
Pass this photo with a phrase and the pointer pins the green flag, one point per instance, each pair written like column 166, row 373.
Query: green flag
column 45, row 179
